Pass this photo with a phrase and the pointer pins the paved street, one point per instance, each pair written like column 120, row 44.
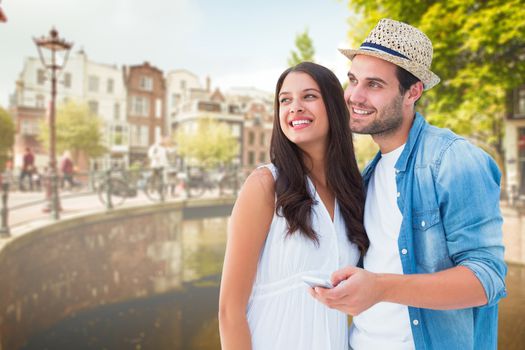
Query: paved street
column 26, row 209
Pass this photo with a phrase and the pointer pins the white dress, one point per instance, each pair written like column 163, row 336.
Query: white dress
column 281, row 313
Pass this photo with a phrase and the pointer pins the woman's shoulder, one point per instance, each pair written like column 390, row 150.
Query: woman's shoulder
column 262, row 179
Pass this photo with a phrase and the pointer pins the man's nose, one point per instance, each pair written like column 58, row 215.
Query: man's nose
column 354, row 95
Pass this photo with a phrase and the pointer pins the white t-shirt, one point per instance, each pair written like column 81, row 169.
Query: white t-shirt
column 384, row 325
column 158, row 156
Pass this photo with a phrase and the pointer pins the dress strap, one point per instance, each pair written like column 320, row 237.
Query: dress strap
column 272, row 168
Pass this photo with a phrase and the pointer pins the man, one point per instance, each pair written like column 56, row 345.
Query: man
column 158, row 160
column 434, row 271
column 28, row 166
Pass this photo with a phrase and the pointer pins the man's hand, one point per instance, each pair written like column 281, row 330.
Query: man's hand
column 356, row 290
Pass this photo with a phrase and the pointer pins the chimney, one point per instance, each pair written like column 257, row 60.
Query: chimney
column 208, row 83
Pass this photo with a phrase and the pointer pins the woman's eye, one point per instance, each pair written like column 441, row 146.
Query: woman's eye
column 310, row 96
column 284, row 100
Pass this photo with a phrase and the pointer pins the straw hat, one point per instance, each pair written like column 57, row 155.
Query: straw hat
column 402, row 45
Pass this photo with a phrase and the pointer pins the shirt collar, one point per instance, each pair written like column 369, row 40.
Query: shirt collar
column 417, row 126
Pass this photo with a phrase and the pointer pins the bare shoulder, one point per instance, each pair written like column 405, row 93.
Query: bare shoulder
column 260, row 180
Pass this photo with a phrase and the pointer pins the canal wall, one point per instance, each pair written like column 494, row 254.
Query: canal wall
column 55, row 271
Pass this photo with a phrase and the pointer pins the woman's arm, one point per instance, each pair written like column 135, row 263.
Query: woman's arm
column 247, row 230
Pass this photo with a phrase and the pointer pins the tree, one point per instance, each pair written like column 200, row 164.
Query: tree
column 77, row 130
column 478, row 54
column 365, row 150
column 305, row 49
column 7, row 137
column 211, row 144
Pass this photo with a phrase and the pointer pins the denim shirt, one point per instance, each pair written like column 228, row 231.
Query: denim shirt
column 448, row 194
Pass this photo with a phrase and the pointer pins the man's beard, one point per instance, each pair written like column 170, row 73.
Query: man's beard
column 386, row 122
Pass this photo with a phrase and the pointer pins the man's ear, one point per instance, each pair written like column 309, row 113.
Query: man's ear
column 414, row 93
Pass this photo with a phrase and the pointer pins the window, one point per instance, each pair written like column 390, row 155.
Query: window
column 109, row 88
column 120, row 135
column 93, row 107
column 40, row 76
column 139, row 106
column 116, row 111
column 146, row 83
column 158, row 108
column 67, row 80
column 251, row 138
column 251, row 158
column 236, row 130
column 520, row 106
column 139, row 135
column 262, row 157
column 175, row 99
column 29, row 127
column 93, row 83
column 158, row 134
column 40, row 101
column 208, row 106
column 183, row 84
column 262, row 140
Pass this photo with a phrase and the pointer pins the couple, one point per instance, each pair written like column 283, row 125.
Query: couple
column 428, row 236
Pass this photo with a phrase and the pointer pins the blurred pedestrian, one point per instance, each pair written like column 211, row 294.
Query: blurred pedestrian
column 28, row 166
column 67, row 169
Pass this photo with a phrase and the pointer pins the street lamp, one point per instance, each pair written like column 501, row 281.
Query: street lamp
column 53, row 44
column 3, row 17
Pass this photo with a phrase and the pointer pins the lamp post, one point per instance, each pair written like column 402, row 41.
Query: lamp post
column 3, row 17
column 53, row 44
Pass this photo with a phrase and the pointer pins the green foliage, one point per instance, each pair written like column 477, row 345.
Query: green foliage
column 77, row 130
column 209, row 145
column 7, row 136
column 365, row 150
column 304, row 49
column 478, row 54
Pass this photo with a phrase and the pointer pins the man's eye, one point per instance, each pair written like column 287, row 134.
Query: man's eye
column 374, row 84
column 352, row 81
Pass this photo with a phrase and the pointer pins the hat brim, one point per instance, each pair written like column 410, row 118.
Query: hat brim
column 427, row 77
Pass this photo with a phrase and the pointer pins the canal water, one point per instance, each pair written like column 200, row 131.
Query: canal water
column 186, row 318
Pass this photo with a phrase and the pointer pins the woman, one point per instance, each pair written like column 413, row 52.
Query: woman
column 300, row 215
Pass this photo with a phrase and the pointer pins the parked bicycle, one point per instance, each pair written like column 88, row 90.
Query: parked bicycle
column 119, row 185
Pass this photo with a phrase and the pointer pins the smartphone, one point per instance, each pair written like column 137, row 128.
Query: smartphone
column 317, row 282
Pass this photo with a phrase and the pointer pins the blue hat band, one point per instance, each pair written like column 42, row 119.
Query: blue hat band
column 381, row 48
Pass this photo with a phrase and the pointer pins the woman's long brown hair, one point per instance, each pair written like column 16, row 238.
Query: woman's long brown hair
column 294, row 200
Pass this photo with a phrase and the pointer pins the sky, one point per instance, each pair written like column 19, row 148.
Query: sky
column 237, row 43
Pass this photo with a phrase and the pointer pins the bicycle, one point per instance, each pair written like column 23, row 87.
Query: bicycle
column 201, row 181
column 117, row 186
column 155, row 187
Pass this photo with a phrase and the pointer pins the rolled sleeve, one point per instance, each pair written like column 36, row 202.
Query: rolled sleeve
column 468, row 189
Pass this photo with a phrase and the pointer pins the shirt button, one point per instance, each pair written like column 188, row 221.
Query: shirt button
column 415, row 322
column 398, row 194
column 404, row 251
column 423, row 223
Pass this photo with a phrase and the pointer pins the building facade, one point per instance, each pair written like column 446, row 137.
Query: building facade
column 146, row 112
column 100, row 86
column 204, row 104
column 258, row 123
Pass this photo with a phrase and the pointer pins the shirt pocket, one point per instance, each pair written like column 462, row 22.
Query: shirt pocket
column 430, row 243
